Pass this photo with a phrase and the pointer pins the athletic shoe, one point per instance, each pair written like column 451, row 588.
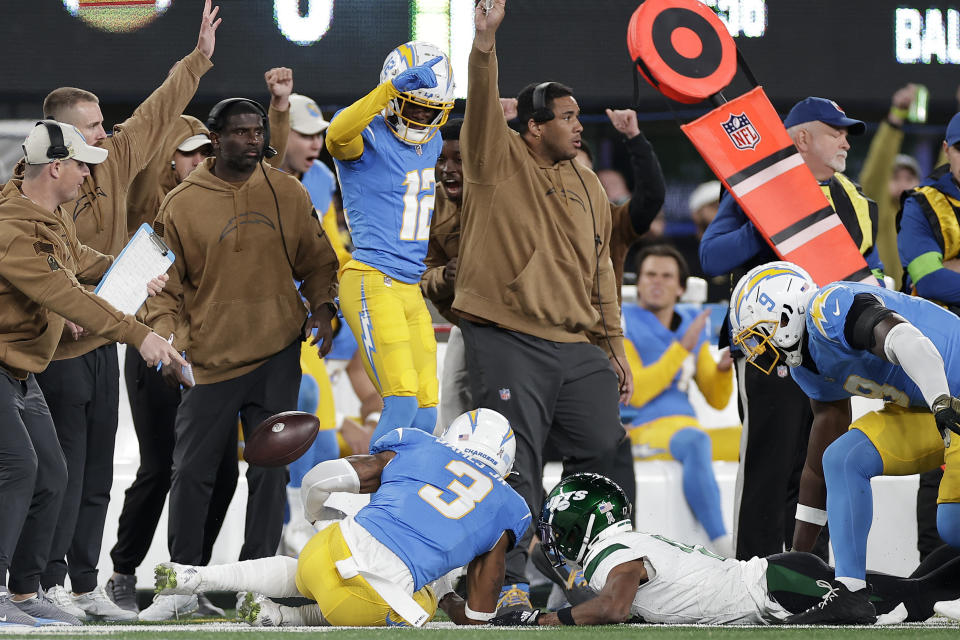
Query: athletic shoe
column 173, row 578
column 61, row 599
column 11, row 616
column 839, row 605
column 169, row 607
column 514, row 597
column 206, row 609
column 571, row 581
column 948, row 609
column 258, row 610
column 45, row 612
column 895, row 616
column 122, row 589
column 98, row 606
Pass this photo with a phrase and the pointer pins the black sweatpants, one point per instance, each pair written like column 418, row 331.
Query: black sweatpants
column 928, row 538
column 565, row 391
column 33, row 478
column 206, row 426
column 776, row 419
column 83, row 394
column 153, row 405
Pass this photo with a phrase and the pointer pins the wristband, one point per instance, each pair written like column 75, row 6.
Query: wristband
column 811, row 515
column 565, row 616
column 373, row 416
column 899, row 112
column 477, row 615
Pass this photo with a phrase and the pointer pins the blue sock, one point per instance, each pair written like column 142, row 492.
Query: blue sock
column 848, row 465
column 398, row 413
column 325, row 447
column 425, row 419
column 948, row 523
column 692, row 448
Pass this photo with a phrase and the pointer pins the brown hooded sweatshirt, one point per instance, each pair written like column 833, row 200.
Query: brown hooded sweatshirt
column 232, row 277
column 40, row 265
column 444, row 245
column 535, row 238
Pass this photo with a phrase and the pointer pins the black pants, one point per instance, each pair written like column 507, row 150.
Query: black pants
column 153, row 405
column 776, row 419
column 83, row 395
column 33, row 478
column 565, row 391
column 792, row 581
column 928, row 538
column 206, row 426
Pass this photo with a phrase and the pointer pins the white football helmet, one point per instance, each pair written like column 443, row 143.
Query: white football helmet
column 768, row 311
column 484, row 436
column 440, row 98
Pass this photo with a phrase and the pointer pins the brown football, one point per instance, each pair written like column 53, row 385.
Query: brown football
column 281, row 439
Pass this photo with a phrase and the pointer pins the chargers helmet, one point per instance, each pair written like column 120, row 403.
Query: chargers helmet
column 484, row 436
column 439, row 98
column 577, row 511
column 768, row 311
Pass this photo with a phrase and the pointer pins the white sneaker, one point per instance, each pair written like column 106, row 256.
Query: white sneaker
column 895, row 616
column 173, row 578
column 62, row 600
column 948, row 609
column 171, row 607
column 98, row 606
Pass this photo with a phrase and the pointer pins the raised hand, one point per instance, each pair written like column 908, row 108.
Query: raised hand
column 421, row 77
column 208, row 29
column 486, row 22
column 509, row 106
column 280, row 84
column 624, row 121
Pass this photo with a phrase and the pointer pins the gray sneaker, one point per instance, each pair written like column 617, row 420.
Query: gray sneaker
column 122, row 589
column 45, row 612
column 206, row 609
column 11, row 616
column 98, row 606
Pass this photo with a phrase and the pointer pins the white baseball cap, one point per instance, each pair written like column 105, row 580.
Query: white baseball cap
column 41, row 148
column 305, row 115
column 704, row 194
column 193, row 143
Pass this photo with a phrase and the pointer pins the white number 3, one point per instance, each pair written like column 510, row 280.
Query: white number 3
column 418, row 205
column 467, row 496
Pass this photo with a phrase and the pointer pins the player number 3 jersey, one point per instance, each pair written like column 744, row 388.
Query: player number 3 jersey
column 436, row 509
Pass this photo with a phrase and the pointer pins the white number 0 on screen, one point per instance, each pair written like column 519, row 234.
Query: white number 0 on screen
column 467, row 497
column 418, row 205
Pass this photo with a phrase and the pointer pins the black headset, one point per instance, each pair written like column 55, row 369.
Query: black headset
column 541, row 113
column 58, row 148
column 215, row 120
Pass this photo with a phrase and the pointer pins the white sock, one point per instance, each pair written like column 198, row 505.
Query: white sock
column 852, row 584
column 309, row 615
column 273, row 577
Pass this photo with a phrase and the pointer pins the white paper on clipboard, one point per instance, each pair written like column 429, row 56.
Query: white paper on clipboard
column 145, row 257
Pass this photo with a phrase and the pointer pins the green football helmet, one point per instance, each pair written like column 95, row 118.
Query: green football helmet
column 576, row 511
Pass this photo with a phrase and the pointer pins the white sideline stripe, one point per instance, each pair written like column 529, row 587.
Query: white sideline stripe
column 801, row 238
column 762, row 177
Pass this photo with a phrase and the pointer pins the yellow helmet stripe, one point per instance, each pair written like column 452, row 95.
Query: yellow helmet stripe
column 407, row 52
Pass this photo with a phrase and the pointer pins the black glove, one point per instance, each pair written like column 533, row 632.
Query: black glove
column 946, row 411
column 517, row 618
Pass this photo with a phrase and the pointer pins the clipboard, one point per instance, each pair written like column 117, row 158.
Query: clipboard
column 145, row 257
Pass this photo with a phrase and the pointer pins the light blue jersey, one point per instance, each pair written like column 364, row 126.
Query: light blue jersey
column 388, row 195
column 321, row 184
column 844, row 371
column 651, row 339
column 436, row 509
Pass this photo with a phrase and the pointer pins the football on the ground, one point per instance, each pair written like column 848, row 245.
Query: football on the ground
column 281, row 439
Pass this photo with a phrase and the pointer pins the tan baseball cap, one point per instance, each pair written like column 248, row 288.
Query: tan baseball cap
column 305, row 115
column 193, row 143
column 44, row 146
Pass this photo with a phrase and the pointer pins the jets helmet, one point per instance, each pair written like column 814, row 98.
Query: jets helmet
column 439, row 98
column 579, row 509
column 768, row 311
column 484, row 436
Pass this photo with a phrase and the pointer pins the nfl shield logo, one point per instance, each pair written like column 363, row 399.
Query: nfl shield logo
column 504, row 394
column 741, row 132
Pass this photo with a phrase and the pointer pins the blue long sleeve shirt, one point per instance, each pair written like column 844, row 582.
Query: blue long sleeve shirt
column 920, row 253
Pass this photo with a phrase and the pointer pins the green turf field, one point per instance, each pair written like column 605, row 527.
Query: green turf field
column 935, row 630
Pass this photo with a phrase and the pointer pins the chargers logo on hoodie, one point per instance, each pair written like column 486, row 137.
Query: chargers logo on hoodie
column 249, row 217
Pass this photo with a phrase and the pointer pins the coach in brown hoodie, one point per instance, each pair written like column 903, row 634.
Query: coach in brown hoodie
column 82, row 386
column 40, row 265
column 535, row 286
column 243, row 232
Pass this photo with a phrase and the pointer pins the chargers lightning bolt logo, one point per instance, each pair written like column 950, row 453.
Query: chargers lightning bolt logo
column 366, row 332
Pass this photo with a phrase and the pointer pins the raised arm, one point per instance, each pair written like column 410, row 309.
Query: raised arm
column 280, row 84
column 649, row 186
